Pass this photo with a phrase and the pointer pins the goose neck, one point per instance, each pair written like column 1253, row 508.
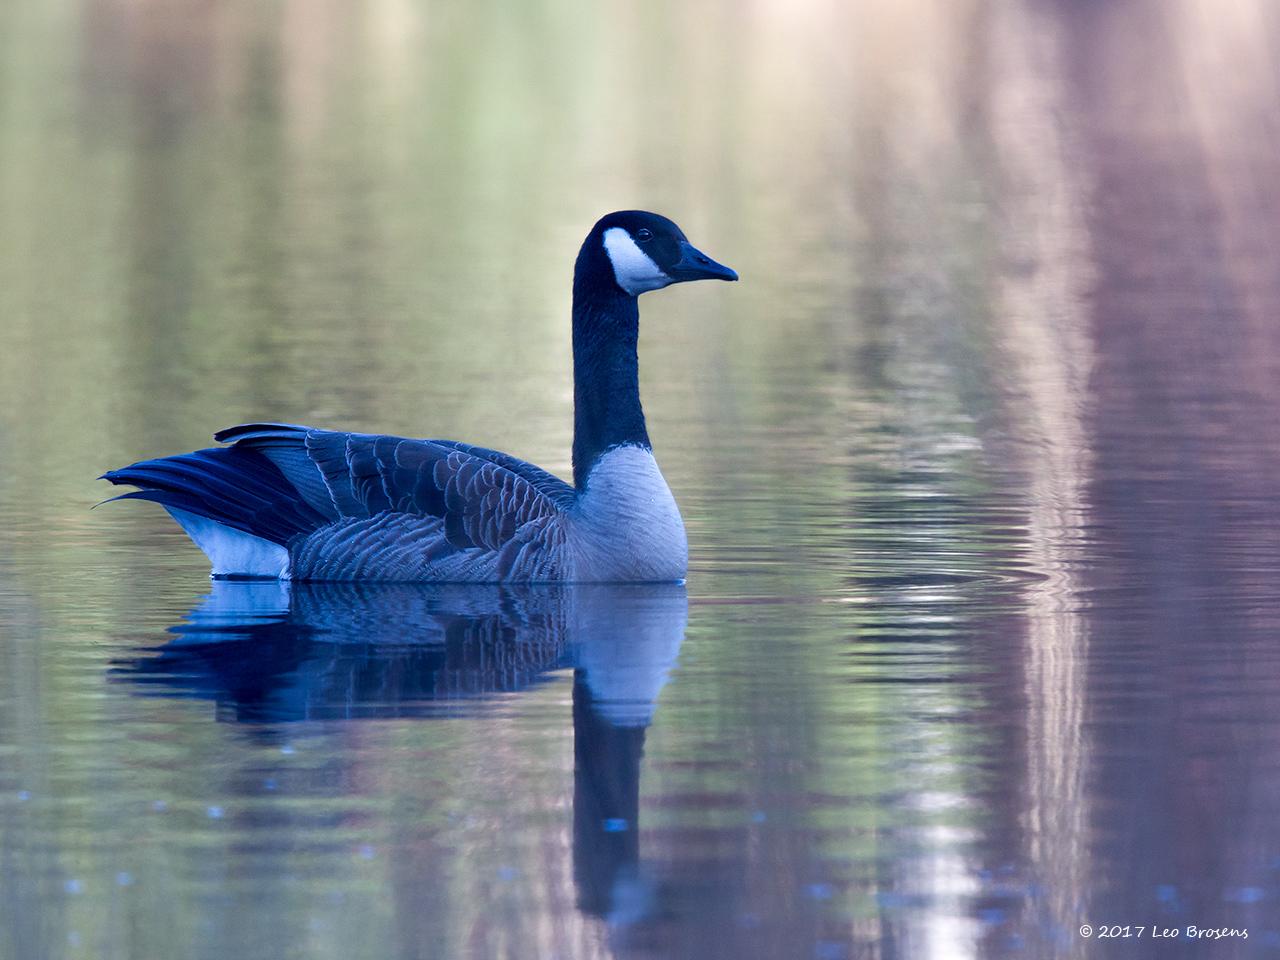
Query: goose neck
column 606, row 376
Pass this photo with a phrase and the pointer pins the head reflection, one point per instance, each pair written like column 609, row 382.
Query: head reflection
column 270, row 653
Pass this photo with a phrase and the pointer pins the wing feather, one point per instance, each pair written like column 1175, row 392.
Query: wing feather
column 328, row 454
column 478, row 501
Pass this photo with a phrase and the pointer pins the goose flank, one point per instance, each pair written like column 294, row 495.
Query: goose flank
column 293, row 502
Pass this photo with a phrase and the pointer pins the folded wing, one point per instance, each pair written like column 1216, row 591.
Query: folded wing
column 367, row 506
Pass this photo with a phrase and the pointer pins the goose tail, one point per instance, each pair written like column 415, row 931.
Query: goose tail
column 234, row 503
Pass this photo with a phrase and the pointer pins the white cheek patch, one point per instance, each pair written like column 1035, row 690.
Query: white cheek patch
column 633, row 268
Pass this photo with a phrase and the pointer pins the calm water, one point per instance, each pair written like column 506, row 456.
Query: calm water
column 979, row 465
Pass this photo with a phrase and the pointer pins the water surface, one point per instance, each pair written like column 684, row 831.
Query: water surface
column 978, row 463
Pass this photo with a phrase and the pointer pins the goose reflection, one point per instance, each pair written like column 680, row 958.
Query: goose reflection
column 270, row 652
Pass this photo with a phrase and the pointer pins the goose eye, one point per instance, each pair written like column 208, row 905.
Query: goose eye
column 644, row 234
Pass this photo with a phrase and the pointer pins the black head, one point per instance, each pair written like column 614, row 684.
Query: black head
column 643, row 251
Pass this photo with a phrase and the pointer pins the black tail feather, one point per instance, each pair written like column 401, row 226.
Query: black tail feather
column 235, row 486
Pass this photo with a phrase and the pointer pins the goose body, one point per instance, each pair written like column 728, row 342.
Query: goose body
column 292, row 502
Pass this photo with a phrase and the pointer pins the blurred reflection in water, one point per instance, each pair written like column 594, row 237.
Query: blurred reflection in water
column 978, row 463
column 273, row 653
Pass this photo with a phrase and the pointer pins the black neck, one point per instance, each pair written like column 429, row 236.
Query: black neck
column 606, row 370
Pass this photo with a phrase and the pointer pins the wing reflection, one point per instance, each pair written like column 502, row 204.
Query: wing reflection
column 275, row 652
column 268, row 653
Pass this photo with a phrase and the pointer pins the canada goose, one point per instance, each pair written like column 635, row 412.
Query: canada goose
column 292, row 502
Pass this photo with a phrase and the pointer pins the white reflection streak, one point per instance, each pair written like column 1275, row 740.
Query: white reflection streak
column 1048, row 341
column 1227, row 58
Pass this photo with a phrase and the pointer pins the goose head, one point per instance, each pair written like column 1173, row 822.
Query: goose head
column 639, row 251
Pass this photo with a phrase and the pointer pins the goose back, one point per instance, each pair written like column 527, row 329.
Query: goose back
column 350, row 506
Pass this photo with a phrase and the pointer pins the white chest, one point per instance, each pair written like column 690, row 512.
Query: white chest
column 627, row 526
